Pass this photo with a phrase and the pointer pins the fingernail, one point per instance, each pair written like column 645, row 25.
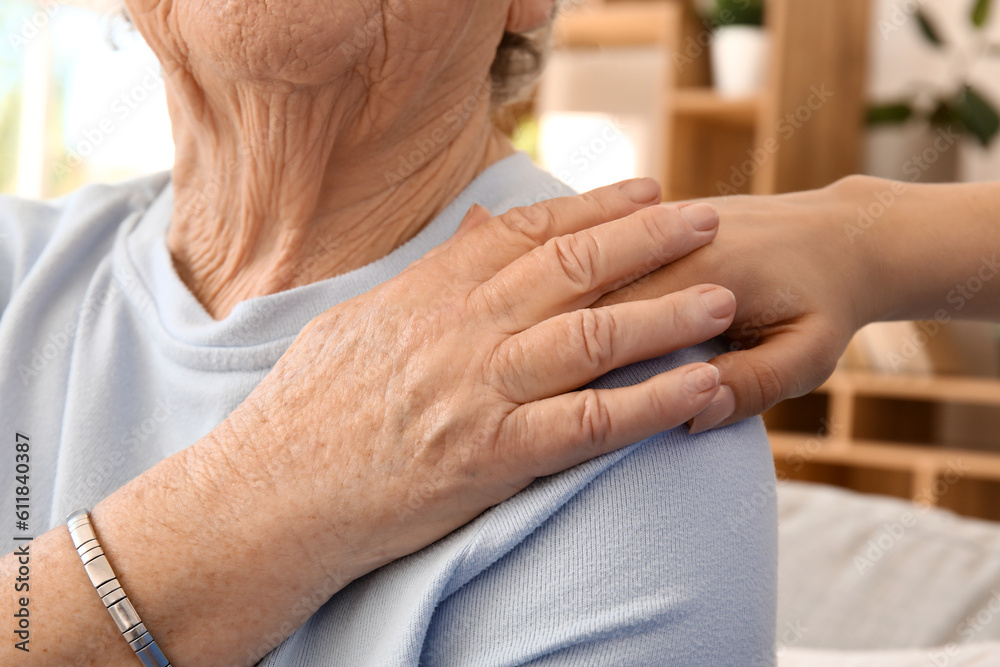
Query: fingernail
column 701, row 216
column 642, row 190
column 702, row 379
column 719, row 302
column 719, row 410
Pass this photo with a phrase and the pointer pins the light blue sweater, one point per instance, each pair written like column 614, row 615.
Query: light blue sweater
column 661, row 554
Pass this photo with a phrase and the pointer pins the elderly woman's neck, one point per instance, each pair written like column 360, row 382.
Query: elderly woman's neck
column 280, row 194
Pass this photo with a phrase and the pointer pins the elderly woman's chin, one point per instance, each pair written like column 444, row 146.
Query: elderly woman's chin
column 303, row 42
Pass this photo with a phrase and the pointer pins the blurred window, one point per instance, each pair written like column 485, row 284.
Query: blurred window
column 81, row 99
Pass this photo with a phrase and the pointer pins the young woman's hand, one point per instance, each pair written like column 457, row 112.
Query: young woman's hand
column 809, row 269
column 802, row 290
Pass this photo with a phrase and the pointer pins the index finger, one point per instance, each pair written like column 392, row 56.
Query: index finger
column 491, row 246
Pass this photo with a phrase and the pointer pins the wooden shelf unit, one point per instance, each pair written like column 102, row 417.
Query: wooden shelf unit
column 814, row 46
column 824, row 437
column 864, row 431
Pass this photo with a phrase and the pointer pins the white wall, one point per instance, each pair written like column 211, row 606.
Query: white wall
column 903, row 62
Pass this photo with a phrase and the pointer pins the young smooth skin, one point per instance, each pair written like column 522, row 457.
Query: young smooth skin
column 809, row 269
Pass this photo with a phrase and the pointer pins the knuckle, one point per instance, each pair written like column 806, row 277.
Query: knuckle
column 827, row 345
column 493, row 302
column 685, row 318
column 516, row 446
column 597, row 330
column 595, row 420
column 500, row 370
column 659, row 224
column 577, row 257
column 768, row 384
column 678, row 315
column 659, row 404
column 535, row 222
column 601, row 202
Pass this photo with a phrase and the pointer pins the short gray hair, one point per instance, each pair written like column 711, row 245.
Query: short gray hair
column 518, row 64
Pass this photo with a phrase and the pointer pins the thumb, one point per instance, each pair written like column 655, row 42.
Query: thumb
column 786, row 365
column 476, row 216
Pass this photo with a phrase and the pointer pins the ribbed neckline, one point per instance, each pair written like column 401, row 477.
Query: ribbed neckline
column 259, row 330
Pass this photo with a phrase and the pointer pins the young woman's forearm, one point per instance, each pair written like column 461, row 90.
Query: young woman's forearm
column 936, row 248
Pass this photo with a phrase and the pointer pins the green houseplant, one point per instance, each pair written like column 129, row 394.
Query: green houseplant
column 963, row 108
column 739, row 46
column 736, row 12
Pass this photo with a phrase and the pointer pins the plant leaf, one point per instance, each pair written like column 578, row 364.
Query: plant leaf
column 737, row 12
column 981, row 12
column 978, row 115
column 890, row 113
column 927, row 28
column 944, row 114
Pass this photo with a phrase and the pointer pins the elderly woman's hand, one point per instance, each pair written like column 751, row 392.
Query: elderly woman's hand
column 450, row 388
column 393, row 419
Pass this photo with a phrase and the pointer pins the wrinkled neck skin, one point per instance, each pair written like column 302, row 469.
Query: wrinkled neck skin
column 305, row 152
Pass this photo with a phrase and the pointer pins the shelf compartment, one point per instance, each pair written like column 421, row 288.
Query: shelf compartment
column 807, row 415
column 707, row 105
column 888, row 456
column 970, row 497
column 707, row 157
column 893, row 419
column 896, row 483
column 626, row 24
column 938, row 388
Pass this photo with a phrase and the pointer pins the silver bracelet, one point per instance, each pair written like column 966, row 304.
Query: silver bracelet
column 103, row 577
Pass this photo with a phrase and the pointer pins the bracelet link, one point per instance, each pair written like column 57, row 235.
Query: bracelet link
column 113, row 596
